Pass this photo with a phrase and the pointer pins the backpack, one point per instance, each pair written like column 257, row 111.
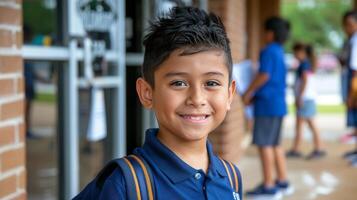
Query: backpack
column 137, row 175
column 138, row 179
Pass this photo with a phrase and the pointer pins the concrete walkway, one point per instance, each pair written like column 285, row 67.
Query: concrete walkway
column 326, row 179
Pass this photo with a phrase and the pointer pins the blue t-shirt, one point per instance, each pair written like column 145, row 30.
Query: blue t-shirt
column 173, row 178
column 304, row 66
column 269, row 100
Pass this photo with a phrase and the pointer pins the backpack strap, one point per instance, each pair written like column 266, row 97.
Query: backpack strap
column 232, row 174
column 147, row 175
column 138, row 177
column 131, row 180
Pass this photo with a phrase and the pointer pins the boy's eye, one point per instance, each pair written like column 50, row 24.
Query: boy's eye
column 212, row 83
column 178, row 83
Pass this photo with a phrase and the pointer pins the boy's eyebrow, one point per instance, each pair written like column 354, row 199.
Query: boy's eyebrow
column 176, row 74
column 214, row 73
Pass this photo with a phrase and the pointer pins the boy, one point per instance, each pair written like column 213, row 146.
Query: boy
column 186, row 81
column 268, row 89
column 350, row 27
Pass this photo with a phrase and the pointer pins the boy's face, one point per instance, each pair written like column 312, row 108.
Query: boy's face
column 268, row 36
column 192, row 94
column 350, row 26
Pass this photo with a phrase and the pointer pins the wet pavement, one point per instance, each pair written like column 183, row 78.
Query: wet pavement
column 327, row 178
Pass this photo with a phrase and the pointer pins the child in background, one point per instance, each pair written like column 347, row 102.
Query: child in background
column 267, row 92
column 305, row 101
column 350, row 28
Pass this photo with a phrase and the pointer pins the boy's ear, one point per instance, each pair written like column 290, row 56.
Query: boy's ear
column 144, row 91
column 232, row 92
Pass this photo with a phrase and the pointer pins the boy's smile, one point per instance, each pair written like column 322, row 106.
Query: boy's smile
column 191, row 95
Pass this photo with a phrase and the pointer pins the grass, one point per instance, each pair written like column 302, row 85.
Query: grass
column 324, row 109
column 46, row 98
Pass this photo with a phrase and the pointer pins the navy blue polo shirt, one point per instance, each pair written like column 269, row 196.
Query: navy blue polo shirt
column 269, row 100
column 173, row 178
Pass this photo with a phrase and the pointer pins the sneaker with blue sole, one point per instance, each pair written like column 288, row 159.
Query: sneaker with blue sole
column 285, row 187
column 262, row 192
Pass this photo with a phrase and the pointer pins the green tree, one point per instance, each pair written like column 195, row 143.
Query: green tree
column 317, row 22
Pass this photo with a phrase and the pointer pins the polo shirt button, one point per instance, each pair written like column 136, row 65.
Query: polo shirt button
column 197, row 176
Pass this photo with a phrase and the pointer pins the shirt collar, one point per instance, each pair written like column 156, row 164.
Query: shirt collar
column 171, row 165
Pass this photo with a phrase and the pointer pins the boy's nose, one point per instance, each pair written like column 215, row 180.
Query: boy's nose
column 197, row 97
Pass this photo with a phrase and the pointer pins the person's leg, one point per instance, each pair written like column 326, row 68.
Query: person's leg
column 280, row 163
column 298, row 133
column 315, row 133
column 267, row 158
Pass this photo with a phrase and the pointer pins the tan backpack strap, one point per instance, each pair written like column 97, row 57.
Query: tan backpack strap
column 235, row 176
column 146, row 175
column 137, row 188
column 228, row 172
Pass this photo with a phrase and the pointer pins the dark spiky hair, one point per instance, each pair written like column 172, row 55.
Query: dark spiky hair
column 186, row 28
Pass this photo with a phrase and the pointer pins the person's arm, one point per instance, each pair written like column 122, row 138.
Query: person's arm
column 352, row 98
column 353, row 65
column 301, row 89
column 298, row 100
column 259, row 80
column 266, row 66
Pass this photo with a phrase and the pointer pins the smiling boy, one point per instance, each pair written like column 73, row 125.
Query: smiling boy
column 186, row 81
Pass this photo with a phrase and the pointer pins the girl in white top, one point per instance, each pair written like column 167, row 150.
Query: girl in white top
column 305, row 100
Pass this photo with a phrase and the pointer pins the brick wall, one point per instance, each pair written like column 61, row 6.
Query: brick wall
column 12, row 129
column 233, row 15
column 227, row 138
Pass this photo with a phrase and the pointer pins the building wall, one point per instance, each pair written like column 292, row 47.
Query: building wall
column 227, row 138
column 233, row 15
column 12, row 136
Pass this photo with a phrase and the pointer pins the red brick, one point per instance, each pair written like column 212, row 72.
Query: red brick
column 12, row 110
column 21, row 180
column 10, row 64
column 10, row 16
column 6, row 38
column 7, row 135
column 19, row 39
column 20, row 85
column 12, row 158
column 22, row 132
column 7, row 87
column 8, row 186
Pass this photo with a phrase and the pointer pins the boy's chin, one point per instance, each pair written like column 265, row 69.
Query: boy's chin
column 194, row 135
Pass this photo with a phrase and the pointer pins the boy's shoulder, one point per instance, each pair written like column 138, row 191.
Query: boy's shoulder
column 127, row 172
column 272, row 47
